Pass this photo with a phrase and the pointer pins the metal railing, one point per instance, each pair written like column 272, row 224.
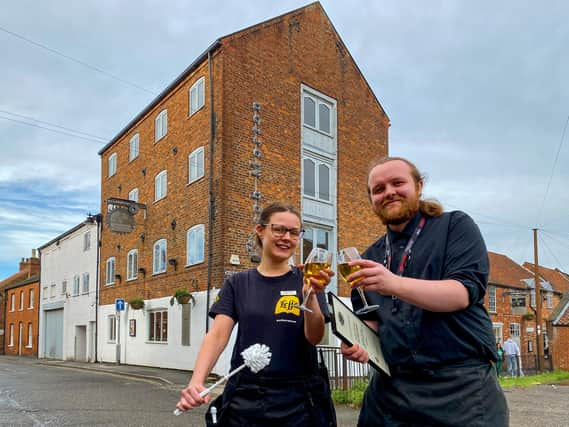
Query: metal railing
column 344, row 374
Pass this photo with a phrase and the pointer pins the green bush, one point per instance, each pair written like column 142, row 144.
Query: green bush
column 352, row 396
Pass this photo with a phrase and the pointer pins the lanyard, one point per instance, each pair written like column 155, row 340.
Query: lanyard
column 404, row 257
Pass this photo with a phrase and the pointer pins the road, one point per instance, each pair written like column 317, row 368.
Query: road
column 32, row 394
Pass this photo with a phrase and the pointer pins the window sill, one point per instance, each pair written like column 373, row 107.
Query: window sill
column 194, row 264
column 157, row 342
column 199, row 178
column 132, row 279
column 158, row 273
column 110, row 284
column 158, row 200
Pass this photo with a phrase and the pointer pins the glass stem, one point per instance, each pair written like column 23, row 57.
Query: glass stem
column 362, row 296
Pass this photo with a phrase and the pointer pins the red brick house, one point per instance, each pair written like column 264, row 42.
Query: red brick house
column 277, row 111
column 22, row 317
column 558, row 329
column 28, row 267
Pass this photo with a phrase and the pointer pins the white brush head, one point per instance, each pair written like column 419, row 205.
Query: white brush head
column 256, row 357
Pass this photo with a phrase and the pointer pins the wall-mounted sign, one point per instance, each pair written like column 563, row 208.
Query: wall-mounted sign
column 132, row 328
column 234, row 259
column 120, row 220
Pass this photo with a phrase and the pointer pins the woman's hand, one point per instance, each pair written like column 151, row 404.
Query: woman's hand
column 190, row 397
column 318, row 284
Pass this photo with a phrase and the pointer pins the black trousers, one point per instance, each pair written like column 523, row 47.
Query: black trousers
column 449, row 396
column 259, row 401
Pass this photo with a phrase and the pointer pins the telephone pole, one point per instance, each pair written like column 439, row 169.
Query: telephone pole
column 537, row 288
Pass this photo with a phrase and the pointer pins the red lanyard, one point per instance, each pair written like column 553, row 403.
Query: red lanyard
column 404, row 257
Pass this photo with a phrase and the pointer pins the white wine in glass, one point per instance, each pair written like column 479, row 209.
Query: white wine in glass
column 344, row 257
column 319, row 259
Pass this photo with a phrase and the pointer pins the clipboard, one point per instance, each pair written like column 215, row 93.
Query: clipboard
column 352, row 330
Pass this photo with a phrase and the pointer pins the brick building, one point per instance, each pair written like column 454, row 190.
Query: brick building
column 558, row 329
column 28, row 268
column 277, row 111
column 22, row 317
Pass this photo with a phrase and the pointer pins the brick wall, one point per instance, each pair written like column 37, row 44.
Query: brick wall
column 24, row 315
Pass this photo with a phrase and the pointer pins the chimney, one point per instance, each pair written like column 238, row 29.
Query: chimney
column 34, row 253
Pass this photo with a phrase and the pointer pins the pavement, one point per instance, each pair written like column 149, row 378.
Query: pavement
column 173, row 379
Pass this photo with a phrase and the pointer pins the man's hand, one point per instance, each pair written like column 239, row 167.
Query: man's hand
column 355, row 353
column 374, row 277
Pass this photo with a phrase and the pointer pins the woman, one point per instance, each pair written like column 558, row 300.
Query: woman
column 500, row 360
column 264, row 301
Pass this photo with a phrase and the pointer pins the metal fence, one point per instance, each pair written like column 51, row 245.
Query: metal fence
column 344, row 374
column 527, row 365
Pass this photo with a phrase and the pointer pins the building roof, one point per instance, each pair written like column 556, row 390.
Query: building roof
column 560, row 314
column 505, row 271
column 214, row 46
column 558, row 280
column 27, row 281
column 16, row 277
column 90, row 220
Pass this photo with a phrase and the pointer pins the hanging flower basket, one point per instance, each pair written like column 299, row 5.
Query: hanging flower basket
column 136, row 303
column 183, row 296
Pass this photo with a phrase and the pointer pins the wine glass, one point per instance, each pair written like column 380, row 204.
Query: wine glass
column 318, row 259
column 344, row 257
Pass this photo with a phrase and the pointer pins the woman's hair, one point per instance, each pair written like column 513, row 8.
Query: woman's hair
column 428, row 207
column 268, row 212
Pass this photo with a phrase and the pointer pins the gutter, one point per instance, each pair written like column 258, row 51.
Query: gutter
column 211, row 204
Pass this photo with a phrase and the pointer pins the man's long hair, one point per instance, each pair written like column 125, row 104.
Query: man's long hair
column 428, row 207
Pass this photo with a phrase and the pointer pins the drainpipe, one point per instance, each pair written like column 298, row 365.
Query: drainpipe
column 98, row 218
column 211, row 206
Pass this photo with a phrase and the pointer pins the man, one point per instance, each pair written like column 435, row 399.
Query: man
column 429, row 275
column 512, row 352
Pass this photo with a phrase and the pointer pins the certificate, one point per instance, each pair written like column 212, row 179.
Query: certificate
column 352, row 330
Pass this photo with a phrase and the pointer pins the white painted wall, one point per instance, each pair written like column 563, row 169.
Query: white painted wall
column 61, row 261
column 139, row 351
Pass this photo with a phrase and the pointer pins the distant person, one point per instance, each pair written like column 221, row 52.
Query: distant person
column 264, row 303
column 429, row 275
column 512, row 351
column 500, row 360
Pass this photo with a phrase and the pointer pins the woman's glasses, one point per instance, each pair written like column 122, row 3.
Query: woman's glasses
column 279, row 231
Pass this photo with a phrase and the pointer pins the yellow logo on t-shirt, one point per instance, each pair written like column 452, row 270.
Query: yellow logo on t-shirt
column 288, row 304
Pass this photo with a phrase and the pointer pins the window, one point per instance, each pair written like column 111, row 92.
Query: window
column 52, row 290
column 110, row 271
column 85, row 283
column 133, row 147
column 158, row 326
column 44, row 293
column 112, row 164
column 132, row 265
column 159, row 262
column 314, row 237
column 195, row 245
column 197, row 95
column 549, row 300
column 112, row 328
column 196, row 164
column 532, row 298
column 87, row 241
column 515, row 330
column 11, row 344
column 160, row 185
column 13, row 302
column 492, row 299
column 161, row 125
column 133, row 195
column 64, row 287
column 30, row 336
column 31, row 300
column 76, row 285
column 316, row 182
column 21, row 300
column 317, row 114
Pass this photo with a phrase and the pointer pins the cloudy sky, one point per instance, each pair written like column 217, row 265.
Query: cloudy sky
column 477, row 94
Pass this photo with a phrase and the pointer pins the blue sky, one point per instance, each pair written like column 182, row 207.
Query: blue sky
column 476, row 92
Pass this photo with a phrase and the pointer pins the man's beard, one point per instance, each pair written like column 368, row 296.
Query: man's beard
column 406, row 210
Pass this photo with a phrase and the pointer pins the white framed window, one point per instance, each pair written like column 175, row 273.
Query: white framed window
column 158, row 326
column 52, row 290
column 197, row 95
column 85, row 278
column 13, row 302
column 132, row 265
column 110, row 271
column 196, row 164
column 112, row 328
column 31, row 300
column 159, row 256
column 316, row 179
column 11, row 344
column 133, row 147
column 21, row 300
column 112, row 164
column 317, row 114
column 515, row 330
column 497, row 328
column 133, row 195
column 161, row 125
column 160, row 185
column 44, row 293
column 549, row 300
column 76, row 285
column 532, row 298
column 30, row 336
column 492, row 298
column 64, row 287
column 315, row 236
column 195, row 244
column 86, row 241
